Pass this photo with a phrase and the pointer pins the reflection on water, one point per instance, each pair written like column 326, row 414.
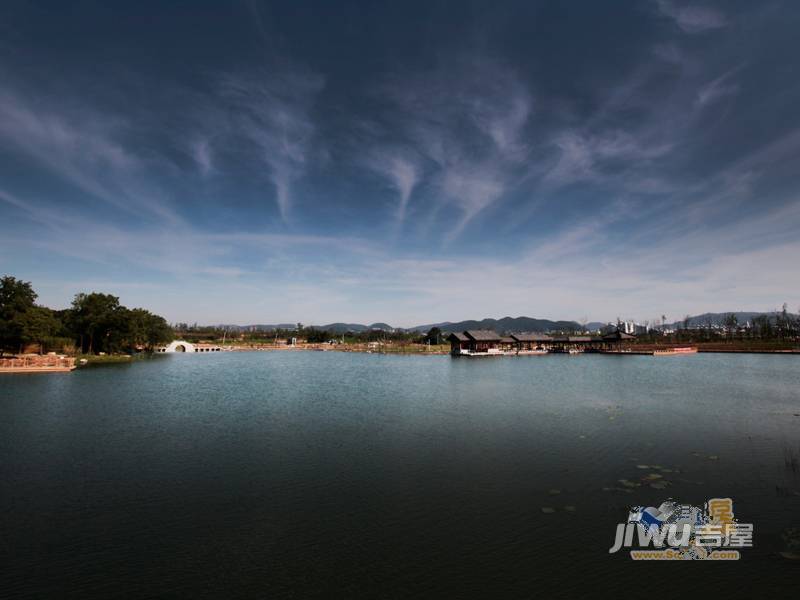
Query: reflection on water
column 319, row 474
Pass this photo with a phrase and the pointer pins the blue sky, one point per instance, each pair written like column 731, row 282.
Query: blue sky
column 258, row 162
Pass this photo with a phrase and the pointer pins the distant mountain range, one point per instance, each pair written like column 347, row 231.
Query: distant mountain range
column 742, row 317
column 506, row 324
column 332, row 327
column 500, row 325
column 355, row 327
column 528, row 324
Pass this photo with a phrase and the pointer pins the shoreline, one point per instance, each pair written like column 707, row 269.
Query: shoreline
column 66, row 364
column 628, row 351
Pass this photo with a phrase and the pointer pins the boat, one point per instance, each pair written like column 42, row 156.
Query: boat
column 671, row 351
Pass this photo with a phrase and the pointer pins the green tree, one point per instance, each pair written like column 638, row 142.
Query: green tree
column 94, row 317
column 147, row 330
column 762, row 326
column 434, row 336
column 731, row 323
column 16, row 298
column 38, row 324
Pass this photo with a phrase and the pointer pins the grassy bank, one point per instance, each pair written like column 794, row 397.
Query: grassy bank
column 86, row 360
column 411, row 349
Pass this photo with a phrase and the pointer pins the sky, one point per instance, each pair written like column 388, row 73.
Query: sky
column 404, row 162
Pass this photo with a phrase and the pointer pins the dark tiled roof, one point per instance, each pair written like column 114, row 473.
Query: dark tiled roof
column 482, row 335
column 507, row 340
column 531, row 337
column 579, row 338
column 460, row 337
column 618, row 335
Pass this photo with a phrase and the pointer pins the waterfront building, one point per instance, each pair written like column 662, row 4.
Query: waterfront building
column 484, row 342
column 527, row 342
column 475, row 342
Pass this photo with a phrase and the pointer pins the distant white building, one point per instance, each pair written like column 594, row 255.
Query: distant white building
column 629, row 327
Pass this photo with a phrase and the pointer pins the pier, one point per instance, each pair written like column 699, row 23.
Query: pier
column 34, row 363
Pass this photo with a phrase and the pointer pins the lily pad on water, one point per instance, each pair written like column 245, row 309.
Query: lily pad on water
column 713, row 457
column 642, row 466
column 629, row 484
column 653, row 476
column 554, row 492
column 659, row 485
column 790, row 555
column 569, row 508
column 548, row 510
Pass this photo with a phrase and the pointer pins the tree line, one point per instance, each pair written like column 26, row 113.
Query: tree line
column 94, row 323
column 313, row 335
column 778, row 326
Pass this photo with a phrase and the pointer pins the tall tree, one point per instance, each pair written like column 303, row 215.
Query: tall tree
column 94, row 319
column 38, row 324
column 16, row 297
column 731, row 323
column 434, row 336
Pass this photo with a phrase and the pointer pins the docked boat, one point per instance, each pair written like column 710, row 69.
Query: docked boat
column 673, row 351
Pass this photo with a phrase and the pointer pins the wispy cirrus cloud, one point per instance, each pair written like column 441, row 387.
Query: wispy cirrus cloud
column 201, row 152
column 692, row 18
column 401, row 168
column 272, row 109
column 717, row 89
column 467, row 120
column 84, row 148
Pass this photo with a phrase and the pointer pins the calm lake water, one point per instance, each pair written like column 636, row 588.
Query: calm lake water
column 311, row 474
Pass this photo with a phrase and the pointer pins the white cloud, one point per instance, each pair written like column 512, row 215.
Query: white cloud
column 402, row 170
column 83, row 148
column 716, row 89
column 467, row 120
column 684, row 267
column 581, row 154
column 201, row 152
column 273, row 110
column 692, row 19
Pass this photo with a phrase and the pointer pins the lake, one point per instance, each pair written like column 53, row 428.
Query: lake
column 322, row 474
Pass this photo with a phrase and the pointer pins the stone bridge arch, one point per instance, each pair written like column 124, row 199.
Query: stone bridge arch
column 180, row 346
